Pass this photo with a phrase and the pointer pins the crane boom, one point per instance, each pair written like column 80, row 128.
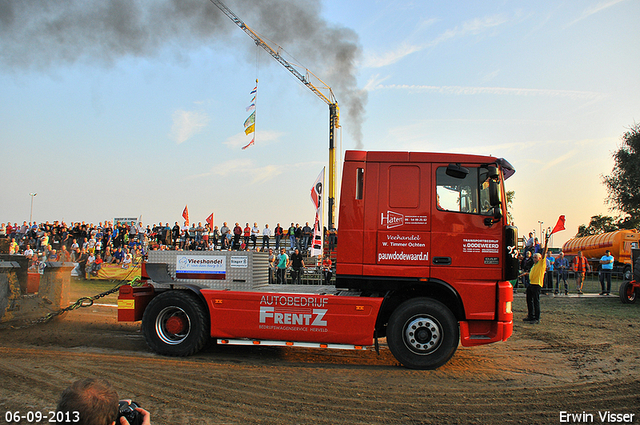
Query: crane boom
column 330, row 100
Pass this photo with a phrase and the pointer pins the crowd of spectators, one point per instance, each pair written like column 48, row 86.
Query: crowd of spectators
column 86, row 244
column 124, row 243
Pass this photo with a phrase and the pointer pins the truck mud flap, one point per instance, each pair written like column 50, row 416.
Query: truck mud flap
column 158, row 273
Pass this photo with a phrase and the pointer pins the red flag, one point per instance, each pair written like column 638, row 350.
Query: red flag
column 210, row 221
column 185, row 215
column 559, row 225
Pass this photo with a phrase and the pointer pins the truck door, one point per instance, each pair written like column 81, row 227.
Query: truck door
column 402, row 220
column 466, row 245
column 351, row 224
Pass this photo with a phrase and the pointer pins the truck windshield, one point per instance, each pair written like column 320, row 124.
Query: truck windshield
column 467, row 195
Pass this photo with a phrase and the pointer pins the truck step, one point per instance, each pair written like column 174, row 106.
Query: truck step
column 290, row 344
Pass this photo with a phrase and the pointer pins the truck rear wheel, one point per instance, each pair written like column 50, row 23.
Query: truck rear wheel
column 175, row 323
column 628, row 293
column 422, row 334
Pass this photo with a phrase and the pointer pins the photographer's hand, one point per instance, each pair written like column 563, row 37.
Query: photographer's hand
column 146, row 417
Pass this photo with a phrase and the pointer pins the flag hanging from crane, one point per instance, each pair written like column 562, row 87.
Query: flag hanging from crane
column 317, row 199
column 249, row 144
column 250, row 122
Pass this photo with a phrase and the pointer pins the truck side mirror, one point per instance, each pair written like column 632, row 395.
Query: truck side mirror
column 494, row 193
column 494, row 200
column 497, row 216
column 492, row 172
column 457, row 171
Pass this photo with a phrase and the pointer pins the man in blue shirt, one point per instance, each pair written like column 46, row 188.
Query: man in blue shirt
column 561, row 266
column 548, row 278
column 606, row 267
column 282, row 262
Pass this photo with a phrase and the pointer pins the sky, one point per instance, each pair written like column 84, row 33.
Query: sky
column 132, row 108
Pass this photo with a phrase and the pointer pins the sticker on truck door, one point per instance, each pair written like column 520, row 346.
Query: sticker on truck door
column 403, row 248
column 393, row 219
column 484, row 246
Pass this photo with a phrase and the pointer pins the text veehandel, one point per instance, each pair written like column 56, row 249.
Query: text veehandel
column 217, row 261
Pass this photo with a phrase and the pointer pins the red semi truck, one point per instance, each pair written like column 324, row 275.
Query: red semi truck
column 424, row 258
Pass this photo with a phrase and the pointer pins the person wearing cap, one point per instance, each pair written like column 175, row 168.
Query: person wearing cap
column 606, row 268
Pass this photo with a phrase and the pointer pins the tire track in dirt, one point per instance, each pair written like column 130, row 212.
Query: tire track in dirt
column 179, row 389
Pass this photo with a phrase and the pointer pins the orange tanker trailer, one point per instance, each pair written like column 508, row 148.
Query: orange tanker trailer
column 620, row 243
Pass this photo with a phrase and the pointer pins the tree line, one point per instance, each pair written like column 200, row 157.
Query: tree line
column 623, row 187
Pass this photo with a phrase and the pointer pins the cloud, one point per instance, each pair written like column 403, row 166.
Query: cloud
column 374, row 60
column 559, row 159
column 375, row 84
column 265, row 174
column 243, row 166
column 230, row 167
column 186, row 124
column 471, row 27
column 594, row 9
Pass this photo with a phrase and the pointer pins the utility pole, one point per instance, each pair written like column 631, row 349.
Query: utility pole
column 31, row 211
column 541, row 234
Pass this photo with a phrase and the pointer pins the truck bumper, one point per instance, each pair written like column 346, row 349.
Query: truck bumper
column 132, row 301
column 480, row 332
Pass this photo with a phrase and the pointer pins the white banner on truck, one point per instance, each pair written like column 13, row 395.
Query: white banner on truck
column 200, row 267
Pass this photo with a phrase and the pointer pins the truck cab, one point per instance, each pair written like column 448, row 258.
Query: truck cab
column 430, row 225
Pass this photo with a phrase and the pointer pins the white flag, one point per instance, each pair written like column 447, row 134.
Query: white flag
column 317, row 197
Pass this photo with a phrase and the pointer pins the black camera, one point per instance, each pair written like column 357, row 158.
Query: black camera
column 129, row 412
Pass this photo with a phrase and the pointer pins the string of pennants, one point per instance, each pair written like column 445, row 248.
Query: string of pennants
column 250, row 122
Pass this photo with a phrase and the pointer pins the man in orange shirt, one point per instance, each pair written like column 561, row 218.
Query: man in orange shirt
column 581, row 267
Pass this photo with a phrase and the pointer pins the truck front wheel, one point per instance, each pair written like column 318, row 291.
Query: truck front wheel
column 175, row 324
column 422, row 334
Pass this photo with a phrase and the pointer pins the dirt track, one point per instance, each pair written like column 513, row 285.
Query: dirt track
column 584, row 356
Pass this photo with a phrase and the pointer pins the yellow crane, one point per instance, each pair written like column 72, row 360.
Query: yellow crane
column 334, row 110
